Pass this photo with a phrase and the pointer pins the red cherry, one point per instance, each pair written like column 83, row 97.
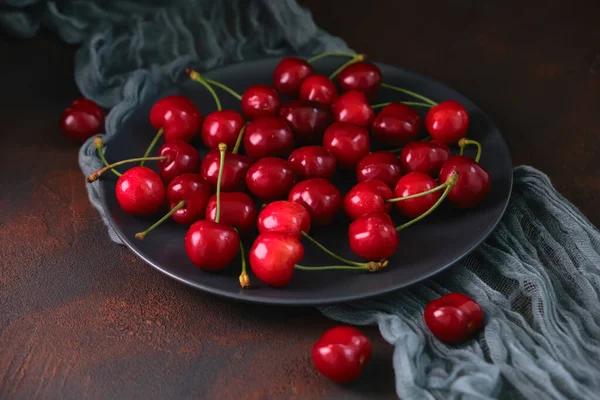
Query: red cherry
column 313, row 162
column 285, row 217
column 396, row 124
column 270, row 178
column 182, row 158
column 380, row 165
column 318, row 88
column 373, row 236
column 353, row 107
column 426, row 157
column 260, row 101
column 222, row 126
column 82, row 120
column 453, row 318
column 414, row 183
column 268, row 136
column 211, row 246
column 192, row 189
column 473, row 183
column 272, row 257
column 307, row 119
column 362, row 76
column 347, row 142
column 177, row 116
column 341, row 354
column 234, row 171
column 237, row 210
column 447, row 122
column 289, row 75
column 140, row 191
column 366, row 197
column 320, row 198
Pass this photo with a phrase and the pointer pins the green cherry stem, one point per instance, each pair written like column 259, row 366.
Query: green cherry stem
column 331, row 253
column 408, row 103
column 94, row 176
column 356, row 58
column 152, row 144
column 408, row 92
column 465, row 142
column 244, row 278
column 329, row 54
column 222, row 150
column 452, row 179
column 99, row 144
column 195, row 76
column 414, row 196
column 371, row 267
column 142, row 235
column 238, row 142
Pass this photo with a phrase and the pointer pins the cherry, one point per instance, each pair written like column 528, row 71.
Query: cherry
column 318, row 88
column 270, row 178
column 473, row 183
column 362, row 76
column 347, row 142
column 313, row 162
column 447, row 122
column 373, row 236
column 341, row 354
column 140, row 191
column 320, row 198
column 177, row 117
column 289, row 75
column 411, row 184
column 237, row 210
column 307, row 119
column 260, row 101
column 272, row 257
column 181, row 158
column 268, row 136
column 366, row 197
column 426, row 157
column 221, row 126
column 396, row 124
column 380, row 165
column 82, row 120
column 353, row 107
column 285, row 217
column 453, row 318
column 234, row 171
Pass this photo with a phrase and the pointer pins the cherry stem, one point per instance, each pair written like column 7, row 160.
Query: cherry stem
column 222, row 149
column 465, row 142
column 331, row 253
column 99, row 144
column 142, row 235
column 371, row 267
column 238, row 142
column 244, row 278
column 94, row 176
column 450, row 182
column 195, row 76
column 408, row 92
column 152, row 144
column 329, row 54
column 408, row 103
column 414, row 196
column 356, row 58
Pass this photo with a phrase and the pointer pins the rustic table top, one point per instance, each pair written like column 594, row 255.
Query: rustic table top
column 81, row 317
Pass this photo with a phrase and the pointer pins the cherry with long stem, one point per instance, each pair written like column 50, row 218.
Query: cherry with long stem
column 462, row 143
column 94, row 176
column 142, row 235
column 99, row 145
column 356, row 58
column 410, row 93
column 195, row 76
column 331, row 54
column 356, row 264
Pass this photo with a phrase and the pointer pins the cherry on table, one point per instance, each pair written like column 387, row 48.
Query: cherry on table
column 285, row 217
column 426, row 157
column 320, row 198
column 234, row 171
column 353, row 107
column 270, row 178
column 307, row 119
column 82, row 120
column 176, row 117
column 222, row 126
column 237, row 210
column 273, row 256
column 396, row 124
column 411, row 184
column 373, row 236
column 447, row 122
column 347, row 142
column 367, row 196
column 361, row 76
column 268, row 136
column 380, row 165
column 182, row 158
column 313, row 162
column 453, row 318
column 318, row 88
column 140, row 191
column 473, row 185
column 260, row 101
column 289, row 75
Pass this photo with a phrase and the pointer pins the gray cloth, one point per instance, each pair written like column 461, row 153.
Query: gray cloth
column 537, row 277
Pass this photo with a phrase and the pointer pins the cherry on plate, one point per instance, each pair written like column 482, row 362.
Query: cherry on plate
column 353, row 107
column 221, row 126
column 285, row 217
column 473, row 185
column 237, row 210
column 211, row 246
column 273, row 256
column 270, row 178
column 289, row 75
column 414, row 183
column 234, row 170
column 182, row 158
column 313, row 162
column 268, row 137
column 426, row 157
column 380, row 165
column 366, row 197
column 140, row 191
column 307, row 120
column 347, row 142
column 373, row 236
column 447, row 122
column 361, row 76
column 177, row 116
column 260, row 101
column 318, row 88
column 320, row 198
column 396, row 124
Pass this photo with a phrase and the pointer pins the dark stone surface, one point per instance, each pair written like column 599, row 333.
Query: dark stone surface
column 81, row 317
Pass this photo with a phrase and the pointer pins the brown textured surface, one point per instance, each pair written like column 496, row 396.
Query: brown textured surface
column 81, row 317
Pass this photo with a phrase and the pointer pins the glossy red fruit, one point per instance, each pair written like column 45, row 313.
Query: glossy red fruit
column 347, row 142
column 426, row 157
column 362, row 76
column 447, row 122
column 260, row 101
column 270, row 178
column 272, row 257
column 473, row 185
column 366, row 197
column 318, row 88
column 341, row 354
column 268, row 136
column 307, row 120
column 234, row 170
column 182, row 158
column 289, row 75
column 140, row 191
column 192, row 189
column 396, row 124
column 373, row 236
column 380, row 165
column 177, row 116
column 237, row 210
column 313, row 162
column 320, row 198
column 222, row 126
column 353, row 107
column 454, row 318
column 82, row 120
column 211, row 246
column 414, row 183
column 284, row 217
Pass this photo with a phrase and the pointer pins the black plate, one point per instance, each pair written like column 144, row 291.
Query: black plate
column 425, row 249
